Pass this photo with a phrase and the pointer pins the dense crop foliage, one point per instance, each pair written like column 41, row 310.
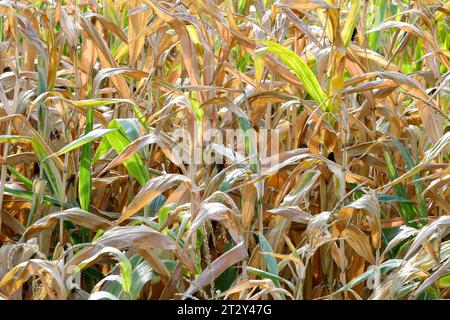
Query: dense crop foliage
column 115, row 116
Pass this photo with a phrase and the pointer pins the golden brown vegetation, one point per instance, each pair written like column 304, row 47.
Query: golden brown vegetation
column 95, row 204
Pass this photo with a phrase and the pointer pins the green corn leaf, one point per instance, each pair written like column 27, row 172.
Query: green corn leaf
column 444, row 282
column 27, row 182
column 384, row 268
column 102, row 149
column 51, row 173
column 422, row 208
column 85, row 179
column 28, row 195
column 301, row 70
column 119, row 141
column 83, row 140
column 270, row 261
column 93, row 103
column 350, row 22
column 265, row 274
column 374, row 38
column 407, row 210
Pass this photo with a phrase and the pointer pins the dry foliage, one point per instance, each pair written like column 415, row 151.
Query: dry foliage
column 95, row 205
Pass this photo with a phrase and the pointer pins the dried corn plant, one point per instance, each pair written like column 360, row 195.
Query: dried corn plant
column 115, row 116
